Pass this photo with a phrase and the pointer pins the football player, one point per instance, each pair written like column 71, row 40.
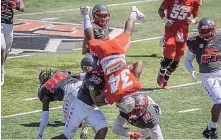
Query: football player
column 142, row 112
column 206, row 48
column 85, row 106
column 111, row 53
column 7, row 14
column 58, row 86
column 177, row 20
column 101, row 18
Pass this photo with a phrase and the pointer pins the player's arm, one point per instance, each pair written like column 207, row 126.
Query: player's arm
column 44, row 115
column 120, row 130
column 79, row 76
column 118, row 126
column 195, row 13
column 194, row 20
column 20, row 6
column 161, row 12
column 85, row 46
column 189, row 57
column 97, row 99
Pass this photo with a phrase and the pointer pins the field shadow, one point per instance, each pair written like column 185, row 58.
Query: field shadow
column 151, row 89
column 151, row 55
column 50, row 124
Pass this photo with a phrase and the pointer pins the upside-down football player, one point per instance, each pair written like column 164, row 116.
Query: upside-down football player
column 101, row 18
column 119, row 80
column 142, row 112
column 206, row 48
column 85, row 106
column 58, row 86
column 177, row 20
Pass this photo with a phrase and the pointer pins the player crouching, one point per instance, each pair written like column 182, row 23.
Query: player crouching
column 142, row 112
column 58, row 85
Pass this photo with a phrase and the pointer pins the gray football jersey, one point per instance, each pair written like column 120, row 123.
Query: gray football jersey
column 208, row 55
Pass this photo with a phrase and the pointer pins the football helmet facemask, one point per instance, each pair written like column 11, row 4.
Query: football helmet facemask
column 90, row 63
column 126, row 104
column 101, row 15
column 206, row 29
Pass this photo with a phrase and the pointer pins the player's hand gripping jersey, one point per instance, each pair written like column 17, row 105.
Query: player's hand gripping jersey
column 119, row 79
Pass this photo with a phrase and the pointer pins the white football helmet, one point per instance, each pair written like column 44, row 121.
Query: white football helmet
column 126, row 104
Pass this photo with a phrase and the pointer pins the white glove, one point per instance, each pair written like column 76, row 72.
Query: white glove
column 193, row 76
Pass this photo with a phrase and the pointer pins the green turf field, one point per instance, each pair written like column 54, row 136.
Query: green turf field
column 21, row 78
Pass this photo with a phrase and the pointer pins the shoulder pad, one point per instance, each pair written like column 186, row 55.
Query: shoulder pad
column 190, row 41
column 94, row 82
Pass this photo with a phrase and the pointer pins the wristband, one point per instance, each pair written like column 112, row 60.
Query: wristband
column 165, row 19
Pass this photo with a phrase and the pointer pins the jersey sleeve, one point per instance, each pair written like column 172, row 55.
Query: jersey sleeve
column 165, row 4
column 191, row 43
column 93, row 46
column 196, row 5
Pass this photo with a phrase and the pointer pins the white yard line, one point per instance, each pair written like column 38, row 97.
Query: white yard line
column 171, row 87
column 77, row 9
column 12, row 57
column 48, row 19
column 29, row 99
column 26, row 113
column 36, row 111
column 189, row 110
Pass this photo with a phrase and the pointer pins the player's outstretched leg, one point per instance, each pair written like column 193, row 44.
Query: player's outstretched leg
column 134, row 16
column 88, row 29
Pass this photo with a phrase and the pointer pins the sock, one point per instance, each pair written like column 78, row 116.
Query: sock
column 133, row 15
column 162, row 70
column 44, row 122
column 2, row 68
column 167, row 76
column 87, row 21
column 212, row 125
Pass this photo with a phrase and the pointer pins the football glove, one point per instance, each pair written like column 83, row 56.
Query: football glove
column 193, row 76
column 135, row 135
column 12, row 4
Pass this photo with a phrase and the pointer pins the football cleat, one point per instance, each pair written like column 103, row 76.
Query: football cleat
column 85, row 10
column 206, row 133
column 210, row 134
column 160, row 79
column 140, row 16
column 165, row 85
column 214, row 134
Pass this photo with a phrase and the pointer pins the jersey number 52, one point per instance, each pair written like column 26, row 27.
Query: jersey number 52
column 121, row 81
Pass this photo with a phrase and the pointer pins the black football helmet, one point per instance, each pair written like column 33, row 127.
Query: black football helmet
column 90, row 63
column 101, row 15
column 45, row 75
column 206, row 29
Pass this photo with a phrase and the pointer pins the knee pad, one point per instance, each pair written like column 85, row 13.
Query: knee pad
column 173, row 66
column 165, row 62
column 103, row 130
